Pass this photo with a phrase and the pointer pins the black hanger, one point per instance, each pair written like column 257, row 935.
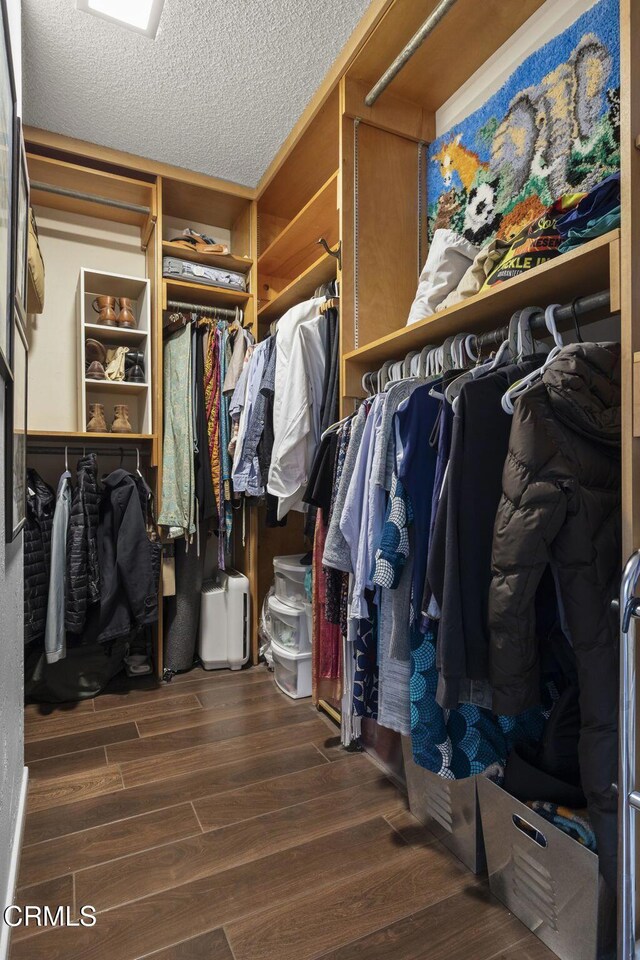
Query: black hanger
column 576, row 324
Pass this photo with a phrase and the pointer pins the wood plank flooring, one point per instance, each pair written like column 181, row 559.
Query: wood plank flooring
column 213, row 818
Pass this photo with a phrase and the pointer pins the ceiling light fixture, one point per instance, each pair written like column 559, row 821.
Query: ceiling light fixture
column 143, row 16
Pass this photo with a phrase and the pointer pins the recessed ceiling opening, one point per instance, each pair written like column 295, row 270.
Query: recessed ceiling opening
column 143, row 16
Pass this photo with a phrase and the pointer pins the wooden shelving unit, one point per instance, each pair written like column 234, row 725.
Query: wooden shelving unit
column 75, row 436
column 295, row 247
column 590, row 268
column 203, row 295
column 57, row 183
column 222, row 261
column 322, row 271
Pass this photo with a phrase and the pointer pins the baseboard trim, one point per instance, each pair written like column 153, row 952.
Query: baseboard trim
column 14, row 863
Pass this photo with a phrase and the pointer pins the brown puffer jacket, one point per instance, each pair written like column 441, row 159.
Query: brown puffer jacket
column 561, row 507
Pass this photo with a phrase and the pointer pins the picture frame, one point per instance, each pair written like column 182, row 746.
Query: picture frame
column 15, row 477
column 21, row 220
column 7, row 184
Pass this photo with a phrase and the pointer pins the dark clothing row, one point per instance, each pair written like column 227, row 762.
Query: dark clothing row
column 112, row 570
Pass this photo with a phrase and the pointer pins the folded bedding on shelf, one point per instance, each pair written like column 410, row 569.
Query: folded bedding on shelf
column 177, row 269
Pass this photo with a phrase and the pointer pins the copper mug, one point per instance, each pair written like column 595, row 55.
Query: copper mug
column 105, row 307
column 126, row 316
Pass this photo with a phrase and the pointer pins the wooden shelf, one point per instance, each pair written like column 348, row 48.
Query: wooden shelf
column 94, row 186
column 302, row 288
column 461, row 43
column 297, row 245
column 117, row 386
column 222, row 261
column 71, row 436
column 583, row 271
column 204, row 295
column 123, row 335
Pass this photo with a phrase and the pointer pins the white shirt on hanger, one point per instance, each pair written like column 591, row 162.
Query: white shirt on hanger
column 300, row 362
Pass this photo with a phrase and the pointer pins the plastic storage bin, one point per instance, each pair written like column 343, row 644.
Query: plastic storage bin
column 547, row 879
column 289, row 576
column 449, row 808
column 292, row 671
column 291, row 626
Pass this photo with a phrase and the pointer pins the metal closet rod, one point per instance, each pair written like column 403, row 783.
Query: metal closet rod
column 405, row 55
column 88, row 197
column 199, row 308
column 581, row 306
column 122, row 449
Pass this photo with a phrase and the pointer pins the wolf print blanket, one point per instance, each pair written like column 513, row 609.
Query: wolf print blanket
column 552, row 128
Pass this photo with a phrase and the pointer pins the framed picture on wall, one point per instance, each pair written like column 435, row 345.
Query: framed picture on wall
column 7, row 152
column 15, row 448
column 21, row 219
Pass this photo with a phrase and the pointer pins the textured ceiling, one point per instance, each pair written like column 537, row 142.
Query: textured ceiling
column 217, row 91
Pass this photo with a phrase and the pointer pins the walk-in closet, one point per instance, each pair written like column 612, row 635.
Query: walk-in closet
column 320, row 516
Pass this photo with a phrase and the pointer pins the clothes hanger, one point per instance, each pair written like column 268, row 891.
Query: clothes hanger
column 517, row 389
column 66, row 459
column 138, row 463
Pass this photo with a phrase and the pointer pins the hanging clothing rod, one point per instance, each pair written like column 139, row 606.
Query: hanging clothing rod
column 89, row 198
column 122, row 449
column 224, row 312
column 405, row 55
column 581, row 306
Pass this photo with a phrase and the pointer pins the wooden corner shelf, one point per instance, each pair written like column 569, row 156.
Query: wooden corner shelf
column 222, row 261
column 295, row 247
column 206, row 296
column 580, row 272
column 322, row 271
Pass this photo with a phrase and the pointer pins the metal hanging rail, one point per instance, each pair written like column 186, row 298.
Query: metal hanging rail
column 224, row 312
column 579, row 307
column 405, row 55
column 90, row 198
column 108, row 448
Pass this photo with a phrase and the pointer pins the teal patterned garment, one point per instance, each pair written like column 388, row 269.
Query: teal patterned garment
column 177, row 510
column 459, row 743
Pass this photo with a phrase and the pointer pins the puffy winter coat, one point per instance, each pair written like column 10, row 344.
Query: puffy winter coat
column 83, row 574
column 561, row 507
column 41, row 503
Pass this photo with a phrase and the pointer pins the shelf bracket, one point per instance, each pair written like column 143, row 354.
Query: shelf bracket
column 337, row 253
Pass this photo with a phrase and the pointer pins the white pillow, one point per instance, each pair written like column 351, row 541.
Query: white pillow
column 450, row 256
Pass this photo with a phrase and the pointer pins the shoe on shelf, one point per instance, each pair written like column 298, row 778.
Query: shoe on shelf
column 121, row 422
column 96, row 371
column 94, row 350
column 135, row 374
column 126, row 317
column 135, row 356
column 105, row 307
column 97, row 422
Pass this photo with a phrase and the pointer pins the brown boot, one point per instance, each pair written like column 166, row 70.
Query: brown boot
column 126, row 317
column 121, row 422
column 97, row 422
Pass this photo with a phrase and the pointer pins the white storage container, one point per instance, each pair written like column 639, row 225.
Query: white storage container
column 292, row 671
column 289, row 575
column 291, row 626
column 224, row 621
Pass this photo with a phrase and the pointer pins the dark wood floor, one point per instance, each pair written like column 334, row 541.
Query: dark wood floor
column 215, row 819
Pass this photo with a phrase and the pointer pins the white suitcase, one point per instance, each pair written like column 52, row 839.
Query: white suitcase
column 224, row 621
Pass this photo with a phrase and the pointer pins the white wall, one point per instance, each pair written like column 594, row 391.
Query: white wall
column 12, row 779
column 547, row 22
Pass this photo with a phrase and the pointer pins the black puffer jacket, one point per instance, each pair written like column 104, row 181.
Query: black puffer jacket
column 561, row 506
column 83, row 574
column 41, row 503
